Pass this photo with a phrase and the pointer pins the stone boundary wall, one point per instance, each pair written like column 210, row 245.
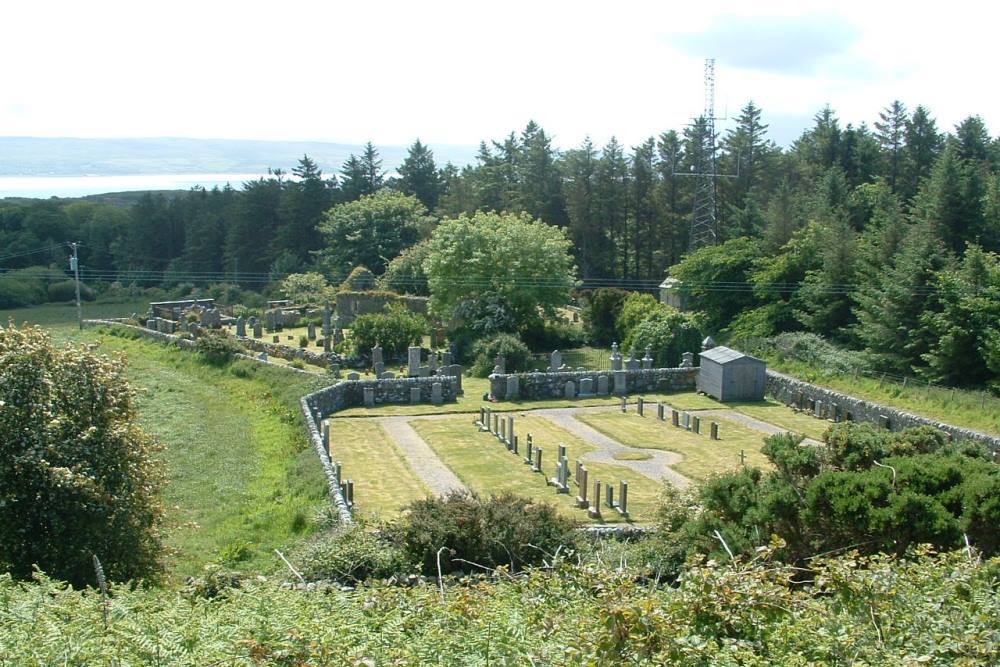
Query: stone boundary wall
column 788, row 390
column 352, row 304
column 313, row 419
column 284, row 352
column 540, row 386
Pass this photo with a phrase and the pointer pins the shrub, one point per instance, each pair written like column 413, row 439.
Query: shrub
column 668, row 332
column 78, row 475
column 65, row 290
column 23, row 287
column 405, row 274
column 306, row 289
column 350, row 555
column 303, row 341
column 359, row 279
column 548, row 336
column 505, row 530
column 601, row 308
column 218, row 348
column 516, row 354
column 636, row 307
column 395, row 330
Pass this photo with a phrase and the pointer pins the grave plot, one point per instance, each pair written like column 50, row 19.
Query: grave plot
column 701, row 455
column 487, row 465
column 383, row 481
column 773, row 412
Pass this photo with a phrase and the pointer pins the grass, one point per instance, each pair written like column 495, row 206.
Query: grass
column 243, row 479
column 776, row 413
column 702, row 457
column 485, row 465
column 64, row 314
column 971, row 409
column 383, row 481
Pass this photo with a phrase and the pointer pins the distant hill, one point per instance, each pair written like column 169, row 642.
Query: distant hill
column 44, row 156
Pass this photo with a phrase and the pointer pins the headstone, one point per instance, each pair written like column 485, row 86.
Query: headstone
column 437, row 397
column 334, row 370
column 455, row 371
column 510, row 431
column 151, row 323
column 686, row 421
column 446, row 358
column 276, row 339
column 515, row 445
column 586, row 387
column 623, row 498
column 424, row 372
column 432, row 362
column 647, row 362
column 569, row 390
column 621, row 382
column 696, row 424
column 818, row 409
column 311, row 331
column 609, row 493
column 639, row 405
column 513, row 388
column 241, row 327
column 269, row 321
column 675, row 417
column 496, row 424
column 413, row 361
column 378, row 369
column 326, row 438
column 594, row 511
column 529, row 453
column 482, row 416
column 414, row 395
column 502, row 435
column 714, row 431
column 353, row 376
column 327, row 345
column 555, row 361
column 660, row 411
column 632, row 364
column 500, row 365
column 624, row 404
column 602, row 385
column 581, row 500
column 327, row 328
column 537, row 467
column 687, row 360
column 369, row 393
column 616, row 358
column 387, row 375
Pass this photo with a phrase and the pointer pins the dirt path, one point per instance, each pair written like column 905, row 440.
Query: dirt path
column 425, row 463
column 749, row 422
column 657, row 467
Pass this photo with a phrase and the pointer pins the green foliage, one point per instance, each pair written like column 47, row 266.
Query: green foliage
column 668, row 332
column 601, row 308
column 509, row 266
column 548, row 336
column 360, row 279
column 307, row 289
column 77, row 474
column 350, row 555
column 395, row 330
column 218, row 348
column 405, row 273
column 636, row 307
column 711, row 278
column 500, row 531
column 517, row 356
column 23, row 287
column 65, row 290
column 371, row 231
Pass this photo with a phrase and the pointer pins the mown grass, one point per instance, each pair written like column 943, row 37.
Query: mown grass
column 970, row 409
column 773, row 412
column 64, row 314
column 384, row 483
column 243, row 478
column 484, row 464
column 703, row 457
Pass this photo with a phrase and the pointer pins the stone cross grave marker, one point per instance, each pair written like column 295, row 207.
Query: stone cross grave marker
column 647, row 362
column 616, row 358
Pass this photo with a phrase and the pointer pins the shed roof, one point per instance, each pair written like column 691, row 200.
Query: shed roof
column 724, row 355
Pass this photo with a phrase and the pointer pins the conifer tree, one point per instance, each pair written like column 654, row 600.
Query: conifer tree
column 890, row 130
column 419, row 176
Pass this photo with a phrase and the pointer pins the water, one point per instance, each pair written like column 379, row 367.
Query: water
column 44, row 187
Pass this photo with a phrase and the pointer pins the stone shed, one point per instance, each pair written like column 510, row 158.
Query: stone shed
column 731, row 375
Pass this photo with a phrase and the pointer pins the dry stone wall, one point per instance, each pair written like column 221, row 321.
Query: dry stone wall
column 804, row 395
column 541, row 386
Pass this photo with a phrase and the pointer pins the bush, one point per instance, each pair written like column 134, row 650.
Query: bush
column 405, row 274
column 516, row 354
column 350, row 555
column 601, row 308
column 23, row 287
column 550, row 336
column 307, row 289
column 636, row 307
column 78, row 476
column 218, row 348
column 505, row 530
column 668, row 332
column 395, row 330
column 65, row 290
column 360, row 279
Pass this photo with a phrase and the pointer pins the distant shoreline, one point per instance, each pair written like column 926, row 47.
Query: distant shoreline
column 44, row 187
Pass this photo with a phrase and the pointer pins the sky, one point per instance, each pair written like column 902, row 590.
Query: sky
column 462, row 72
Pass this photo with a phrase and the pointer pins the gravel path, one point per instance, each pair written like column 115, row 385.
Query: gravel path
column 657, row 467
column 425, row 463
column 749, row 422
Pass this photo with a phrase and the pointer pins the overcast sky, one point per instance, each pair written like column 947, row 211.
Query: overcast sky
column 456, row 73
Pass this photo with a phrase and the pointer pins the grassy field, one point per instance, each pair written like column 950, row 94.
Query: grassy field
column 484, row 464
column 242, row 478
column 702, row 456
column 383, row 481
column 64, row 314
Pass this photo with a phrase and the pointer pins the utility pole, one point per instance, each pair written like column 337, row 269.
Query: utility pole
column 74, row 265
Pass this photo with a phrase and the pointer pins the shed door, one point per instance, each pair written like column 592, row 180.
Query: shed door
column 744, row 380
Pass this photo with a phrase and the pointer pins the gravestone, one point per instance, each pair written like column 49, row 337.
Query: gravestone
column 696, row 424
column 529, row 454
column 326, row 345
column 455, row 371
column 632, row 364
column 623, row 498
column 602, row 385
column 714, row 431
column 621, row 382
column 674, row 417
column 818, row 409
column 659, row 411
column 269, row 321
column 194, row 329
column 624, row 404
column 555, row 361
column 647, row 362
column 609, row 493
column 432, row 362
column 686, row 421
column 687, row 360
column 369, row 393
column 327, row 328
column 326, row 438
column 537, row 467
column 275, row 339
column 569, row 390
column 513, row 388
column 377, row 359
column 581, row 500
column 387, row 375
column 353, row 376
column 594, row 510
column 311, row 331
column 510, row 431
column 640, row 404
column 436, row 395
column 151, row 324
column 241, row 327
column 424, row 372
column 616, row 358
column 502, row 435
column 586, row 387
column 500, row 365
column 413, row 361
column 334, row 370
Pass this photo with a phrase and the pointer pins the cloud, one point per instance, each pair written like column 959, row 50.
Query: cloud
column 804, row 44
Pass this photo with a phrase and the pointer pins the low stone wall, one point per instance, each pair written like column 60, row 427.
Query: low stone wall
column 541, row 386
column 351, row 393
column 804, row 395
column 151, row 334
column 320, row 359
column 313, row 419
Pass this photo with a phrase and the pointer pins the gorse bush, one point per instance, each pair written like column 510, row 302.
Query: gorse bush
column 504, row 530
column 77, row 474
column 218, row 348
column 350, row 555
column 517, row 356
